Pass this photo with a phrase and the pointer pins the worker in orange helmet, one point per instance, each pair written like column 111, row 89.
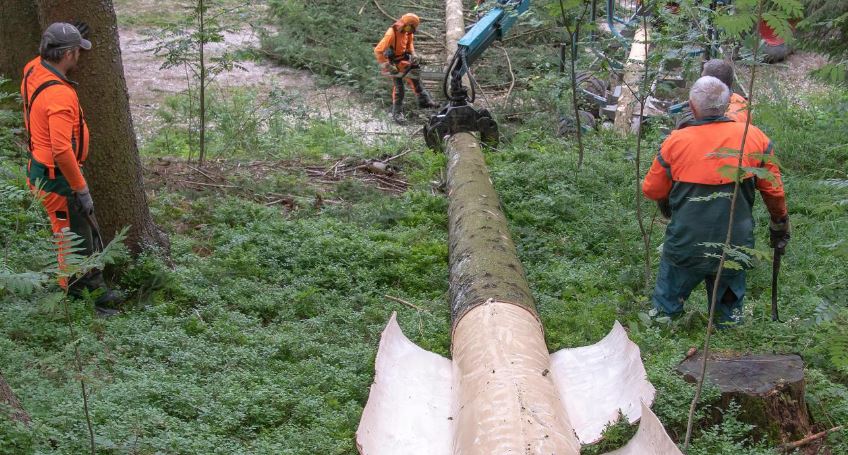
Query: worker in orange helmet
column 397, row 58
column 722, row 70
column 58, row 147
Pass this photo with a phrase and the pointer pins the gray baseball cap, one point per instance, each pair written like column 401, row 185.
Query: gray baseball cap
column 61, row 35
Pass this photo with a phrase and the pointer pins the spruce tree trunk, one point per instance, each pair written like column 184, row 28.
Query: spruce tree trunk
column 20, row 34
column 113, row 169
column 484, row 263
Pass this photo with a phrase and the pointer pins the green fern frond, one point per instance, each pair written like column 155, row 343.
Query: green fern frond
column 735, row 25
column 23, row 283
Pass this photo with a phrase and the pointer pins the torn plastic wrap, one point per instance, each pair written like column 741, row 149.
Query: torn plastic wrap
column 422, row 403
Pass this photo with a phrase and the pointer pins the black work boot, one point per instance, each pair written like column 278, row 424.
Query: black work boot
column 426, row 101
column 108, row 300
column 397, row 112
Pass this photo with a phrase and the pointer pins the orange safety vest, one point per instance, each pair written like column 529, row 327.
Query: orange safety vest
column 55, row 123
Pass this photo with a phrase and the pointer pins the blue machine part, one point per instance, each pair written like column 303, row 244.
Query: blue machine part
column 493, row 26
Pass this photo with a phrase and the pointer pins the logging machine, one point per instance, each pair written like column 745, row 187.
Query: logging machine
column 459, row 116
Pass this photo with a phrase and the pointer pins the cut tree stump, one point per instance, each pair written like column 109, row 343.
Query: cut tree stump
column 768, row 387
column 8, row 398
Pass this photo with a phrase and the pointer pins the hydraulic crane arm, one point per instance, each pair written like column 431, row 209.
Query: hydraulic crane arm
column 490, row 28
column 458, row 115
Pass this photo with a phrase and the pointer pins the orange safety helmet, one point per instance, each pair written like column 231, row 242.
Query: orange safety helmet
column 408, row 19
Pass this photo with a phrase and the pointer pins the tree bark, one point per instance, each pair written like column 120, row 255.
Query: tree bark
column 113, row 169
column 484, row 263
column 7, row 397
column 20, row 34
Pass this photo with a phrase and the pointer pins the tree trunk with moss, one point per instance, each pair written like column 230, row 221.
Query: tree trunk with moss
column 114, row 168
column 20, row 34
column 483, row 260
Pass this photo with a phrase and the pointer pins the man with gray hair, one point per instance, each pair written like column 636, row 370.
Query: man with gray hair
column 689, row 174
column 723, row 71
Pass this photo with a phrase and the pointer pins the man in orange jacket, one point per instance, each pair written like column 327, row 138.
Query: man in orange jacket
column 58, row 147
column 688, row 173
column 397, row 58
column 722, row 70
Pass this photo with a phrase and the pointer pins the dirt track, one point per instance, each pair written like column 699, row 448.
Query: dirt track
column 149, row 84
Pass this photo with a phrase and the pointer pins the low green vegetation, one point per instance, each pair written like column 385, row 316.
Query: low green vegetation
column 259, row 334
column 262, row 337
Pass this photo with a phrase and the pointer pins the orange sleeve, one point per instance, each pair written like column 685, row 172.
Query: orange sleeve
column 772, row 191
column 412, row 44
column 737, row 110
column 61, row 121
column 657, row 183
column 384, row 44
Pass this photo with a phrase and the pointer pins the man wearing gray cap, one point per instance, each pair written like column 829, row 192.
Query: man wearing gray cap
column 58, row 148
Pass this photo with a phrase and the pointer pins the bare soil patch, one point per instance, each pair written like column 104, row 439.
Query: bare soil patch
column 789, row 81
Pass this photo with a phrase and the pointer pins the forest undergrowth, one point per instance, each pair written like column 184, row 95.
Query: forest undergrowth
column 261, row 336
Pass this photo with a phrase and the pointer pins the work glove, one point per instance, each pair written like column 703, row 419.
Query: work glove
column 83, row 28
column 779, row 234
column 388, row 68
column 415, row 60
column 665, row 208
column 83, row 198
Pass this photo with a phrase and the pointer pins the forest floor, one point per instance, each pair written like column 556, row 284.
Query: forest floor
column 150, row 85
column 260, row 335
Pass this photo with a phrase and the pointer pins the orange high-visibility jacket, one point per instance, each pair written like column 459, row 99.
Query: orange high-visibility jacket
column 694, row 169
column 400, row 42
column 737, row 110
column 56, row 125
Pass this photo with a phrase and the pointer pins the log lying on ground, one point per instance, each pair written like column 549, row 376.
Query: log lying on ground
column 634, row 73
column 8, row 398
column 768, row 387
column 502, row 393
column 484, row 264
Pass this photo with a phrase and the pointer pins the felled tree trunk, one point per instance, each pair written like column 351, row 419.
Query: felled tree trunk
column 769, row 389
column 484, row 263
column 8, row 398
column 500, row 358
